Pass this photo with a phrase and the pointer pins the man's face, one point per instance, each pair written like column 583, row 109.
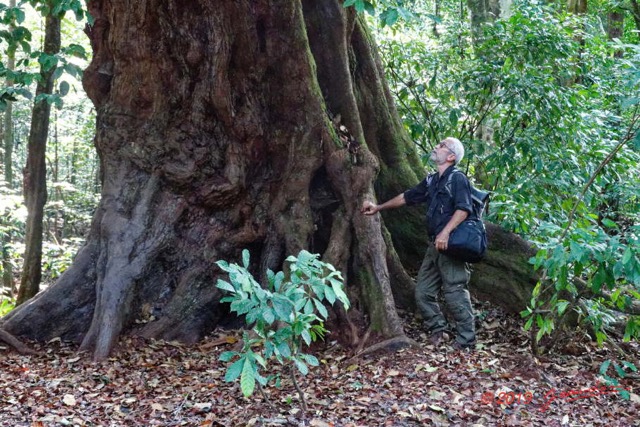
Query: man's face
column 441, row 153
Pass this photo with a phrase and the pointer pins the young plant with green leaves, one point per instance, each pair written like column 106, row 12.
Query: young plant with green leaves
column 592, row 265
column 286, row 314
column 621, row 370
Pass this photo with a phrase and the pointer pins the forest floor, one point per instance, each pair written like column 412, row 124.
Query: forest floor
column 151, row 383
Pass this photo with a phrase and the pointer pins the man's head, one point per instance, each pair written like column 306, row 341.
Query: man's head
column 448, row 150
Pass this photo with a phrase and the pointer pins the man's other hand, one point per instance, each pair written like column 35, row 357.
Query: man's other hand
column 369, row 208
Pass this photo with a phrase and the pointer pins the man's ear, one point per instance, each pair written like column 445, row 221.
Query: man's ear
column 451, row 158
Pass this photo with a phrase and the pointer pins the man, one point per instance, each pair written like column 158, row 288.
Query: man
column 446, row 209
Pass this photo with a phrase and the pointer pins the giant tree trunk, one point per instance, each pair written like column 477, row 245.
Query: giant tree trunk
column 35, row 171
column 245, row 124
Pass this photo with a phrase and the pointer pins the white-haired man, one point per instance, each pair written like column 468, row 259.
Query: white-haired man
column 446, row 208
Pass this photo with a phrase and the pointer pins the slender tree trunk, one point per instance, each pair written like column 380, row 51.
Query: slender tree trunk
column 481, row 12
column 35, row 172
column 615, row 26
column 7, row 267
column 56, row 146
column 7, row 140
column 72, row 163
column 255, row 124
column 577, row 6
column 635, row 12
column 436, row 13
column 8, row 118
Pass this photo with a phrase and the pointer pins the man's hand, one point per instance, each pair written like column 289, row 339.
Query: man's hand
column 369, row 208
column 442, row 241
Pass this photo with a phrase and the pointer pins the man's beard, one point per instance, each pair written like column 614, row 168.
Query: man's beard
column 434, row 158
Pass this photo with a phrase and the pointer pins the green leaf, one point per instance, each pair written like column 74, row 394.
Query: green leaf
column 234, row 371
column 310, row 359
column 321, row 309
column 268, row 316
column 619, row 370
column 330, row 295
column 453, row 118
column 260, row 360
column 369, row 8
column 306, row 336
column 304, row 370
column 605, row 366
column 308, row 307
column 562, row 306
column 247, row 380
column 540, row 321
column 225, row 286
column 283, row 308
column 284, row 349
column 63, row 88
column 389, row 17
column 245, row 258
column 242, row 306
column 529, row 323
column 227, row 356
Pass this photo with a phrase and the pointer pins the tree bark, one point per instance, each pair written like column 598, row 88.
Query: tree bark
column 577, row 6
column 222, row 126
column 615, row 27
column 8, row 117
column 481, row 12
column 635, row 12
column 35, row 171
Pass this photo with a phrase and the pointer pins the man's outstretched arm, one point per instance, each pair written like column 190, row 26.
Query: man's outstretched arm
column 370, row 208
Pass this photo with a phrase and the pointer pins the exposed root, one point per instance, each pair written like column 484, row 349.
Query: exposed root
column 18, row 345
column 362, row 342
column 392, row 344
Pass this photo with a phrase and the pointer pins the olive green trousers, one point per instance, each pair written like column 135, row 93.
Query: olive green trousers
column 442, row 273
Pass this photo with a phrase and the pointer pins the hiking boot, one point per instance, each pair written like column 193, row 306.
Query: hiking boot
column 437, row 338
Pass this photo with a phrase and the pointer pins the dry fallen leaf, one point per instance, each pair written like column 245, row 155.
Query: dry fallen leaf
column 69, row 400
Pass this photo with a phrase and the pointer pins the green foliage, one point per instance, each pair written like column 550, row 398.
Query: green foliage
column 390, row 10
column 6, row 305
column 620, row 370
column 71, row 157
column 286, row 314
column 548, row 109
column 13, row 215
column 18, row 36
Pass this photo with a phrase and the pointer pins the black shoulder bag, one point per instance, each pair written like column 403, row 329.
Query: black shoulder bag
column 468, row 241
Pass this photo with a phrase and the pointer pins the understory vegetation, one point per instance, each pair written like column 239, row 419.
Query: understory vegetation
column 548, row 106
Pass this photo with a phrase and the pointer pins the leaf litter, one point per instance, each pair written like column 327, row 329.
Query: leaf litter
column 155, row 383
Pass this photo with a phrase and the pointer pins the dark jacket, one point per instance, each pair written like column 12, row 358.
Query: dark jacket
column 440, row 205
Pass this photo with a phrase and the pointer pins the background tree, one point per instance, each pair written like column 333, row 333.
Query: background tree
column 35, row 179
column 22, row 39
column 8, row 113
